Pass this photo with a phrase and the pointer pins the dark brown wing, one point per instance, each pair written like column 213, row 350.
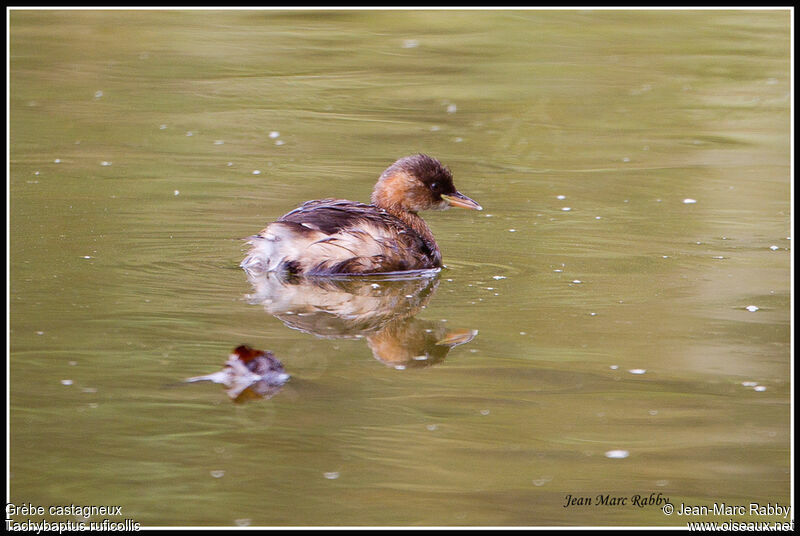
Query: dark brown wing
column 334, row 215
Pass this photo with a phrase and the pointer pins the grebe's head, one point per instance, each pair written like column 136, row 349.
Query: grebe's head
column 418, row 182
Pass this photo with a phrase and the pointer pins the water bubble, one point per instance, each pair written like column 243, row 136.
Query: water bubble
column 98, row 94
column 689, row 201
column 752, row 308
column 759, row 388
column 274, row 134
column 431, row 427
column 162, row 127
column 451, row 108
column 561, row 197
column 105, row 163
column 279, row 142
column 219, row 142
column 484, row 412
column 66, row 382
column 774, row 248
column 243, row 522
column 614, row 367
column 566, row 209
column 177, row 192
column 637, row 371
column 333, row 475
column 256, row 172
column 410, row 43
column 498, row 277
column 218, row 473
column 617, row 454
column 749, row 384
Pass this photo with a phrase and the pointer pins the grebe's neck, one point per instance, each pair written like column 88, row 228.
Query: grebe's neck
column 395, row 193
column 415, row 222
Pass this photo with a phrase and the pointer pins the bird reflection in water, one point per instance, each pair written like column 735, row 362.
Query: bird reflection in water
column 380, row 309
column 248, row 374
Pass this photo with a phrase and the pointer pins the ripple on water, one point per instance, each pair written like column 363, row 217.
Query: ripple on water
column 464, row 266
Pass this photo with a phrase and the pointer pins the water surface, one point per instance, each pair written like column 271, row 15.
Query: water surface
column 608, row 310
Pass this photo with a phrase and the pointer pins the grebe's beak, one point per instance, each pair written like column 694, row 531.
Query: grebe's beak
column 460, row 200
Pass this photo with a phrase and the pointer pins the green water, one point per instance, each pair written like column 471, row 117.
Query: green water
column 135, row 138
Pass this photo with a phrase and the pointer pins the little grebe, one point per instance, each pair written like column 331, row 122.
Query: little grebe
column 247, row 365
column 336, row 236
column 248, row 374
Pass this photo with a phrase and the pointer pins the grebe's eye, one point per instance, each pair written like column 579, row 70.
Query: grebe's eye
column 434, row 186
